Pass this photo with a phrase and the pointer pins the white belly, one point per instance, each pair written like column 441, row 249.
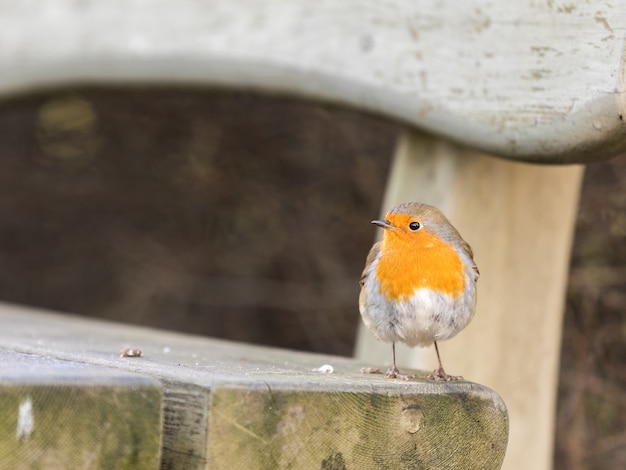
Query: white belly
column 424, row 317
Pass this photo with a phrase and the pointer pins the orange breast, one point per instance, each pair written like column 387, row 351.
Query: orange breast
column 425, row 261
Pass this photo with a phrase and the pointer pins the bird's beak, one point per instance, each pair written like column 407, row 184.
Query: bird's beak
column 384, row 224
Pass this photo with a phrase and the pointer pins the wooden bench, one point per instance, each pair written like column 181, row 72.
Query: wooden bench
column 221, row 405
column 540, row 83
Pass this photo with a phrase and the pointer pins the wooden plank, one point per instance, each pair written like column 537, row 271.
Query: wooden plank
column 333, row 429
column 519, row 220
column 230, row 405
column 528, row 80
column 61, row 414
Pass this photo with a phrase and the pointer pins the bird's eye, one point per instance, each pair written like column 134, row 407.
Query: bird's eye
column 414, row 226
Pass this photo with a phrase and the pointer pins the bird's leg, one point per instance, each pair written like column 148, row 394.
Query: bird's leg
column 393, row 372
column 440, row 374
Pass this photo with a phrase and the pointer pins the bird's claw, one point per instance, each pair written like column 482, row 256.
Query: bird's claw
column 394, row 373
column 440, row 375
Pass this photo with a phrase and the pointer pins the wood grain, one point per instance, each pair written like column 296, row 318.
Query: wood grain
column 335, row 429
column 229, row 405
column 58, row 414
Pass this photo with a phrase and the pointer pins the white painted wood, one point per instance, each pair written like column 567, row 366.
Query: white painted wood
column 519, row 220
column 529, row 80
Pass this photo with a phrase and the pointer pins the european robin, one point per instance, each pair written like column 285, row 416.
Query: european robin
column 419, row 282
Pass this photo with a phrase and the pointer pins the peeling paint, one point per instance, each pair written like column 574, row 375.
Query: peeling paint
column 25, row 420
column 604, row 22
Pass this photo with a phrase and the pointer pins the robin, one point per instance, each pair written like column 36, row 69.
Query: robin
column 419, row 282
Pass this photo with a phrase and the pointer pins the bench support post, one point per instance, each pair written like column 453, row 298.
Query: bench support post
column 519, row 219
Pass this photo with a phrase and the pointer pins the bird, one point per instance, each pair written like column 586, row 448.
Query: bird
column 418, row 286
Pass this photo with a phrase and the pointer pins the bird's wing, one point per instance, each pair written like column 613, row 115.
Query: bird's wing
column 371, row 256
column 468, row 251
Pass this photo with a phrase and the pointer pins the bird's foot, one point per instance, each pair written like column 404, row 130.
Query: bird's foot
column 440, row 375
column 394, row 373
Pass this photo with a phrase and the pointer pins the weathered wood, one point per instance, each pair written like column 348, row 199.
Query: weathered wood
column 519, row 220
column 231, row 405
column 58, row 414
column 529, row 80
column 416, row 426
column 542, row 81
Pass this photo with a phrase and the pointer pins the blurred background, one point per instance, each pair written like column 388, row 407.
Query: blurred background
column 246, row 217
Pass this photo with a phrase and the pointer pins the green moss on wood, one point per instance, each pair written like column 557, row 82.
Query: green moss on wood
column 81, row 426
column 276, row 429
